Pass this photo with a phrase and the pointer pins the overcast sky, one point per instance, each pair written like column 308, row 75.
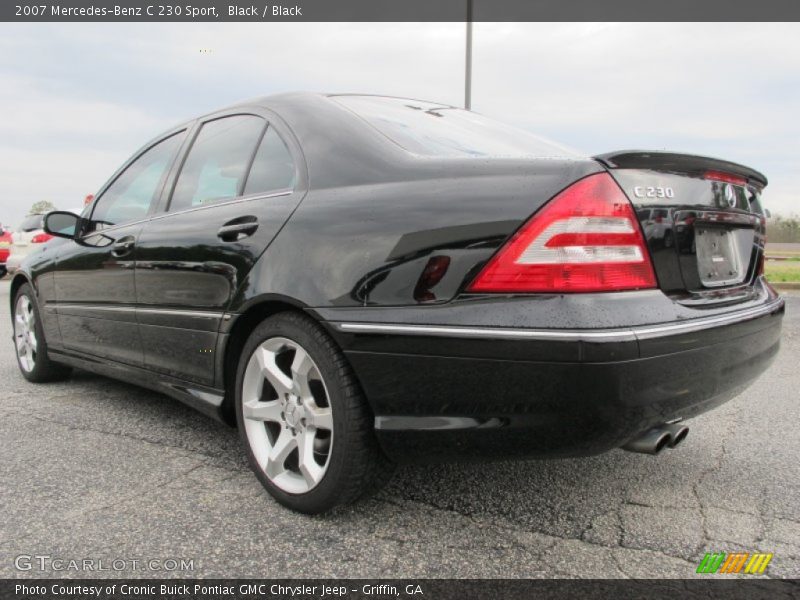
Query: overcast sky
column 77, row 99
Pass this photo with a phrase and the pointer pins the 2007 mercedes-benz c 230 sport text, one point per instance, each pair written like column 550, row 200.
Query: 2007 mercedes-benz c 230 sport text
column 357, row 281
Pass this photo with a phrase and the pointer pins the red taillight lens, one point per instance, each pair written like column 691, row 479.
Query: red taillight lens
column 41, row 238
column 586, row 239
column 726, row 177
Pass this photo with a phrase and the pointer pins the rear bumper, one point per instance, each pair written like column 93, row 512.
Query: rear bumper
column 456, row 392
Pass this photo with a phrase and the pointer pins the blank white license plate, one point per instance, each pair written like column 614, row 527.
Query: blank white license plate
column 718, row 257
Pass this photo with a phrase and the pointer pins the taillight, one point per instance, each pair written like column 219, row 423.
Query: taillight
column 586, row 239
column 725, row 177
column 41, row 238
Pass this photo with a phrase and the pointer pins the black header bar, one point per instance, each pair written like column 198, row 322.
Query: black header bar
column 153, row 11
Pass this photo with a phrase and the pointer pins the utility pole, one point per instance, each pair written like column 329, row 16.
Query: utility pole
column 468, row 72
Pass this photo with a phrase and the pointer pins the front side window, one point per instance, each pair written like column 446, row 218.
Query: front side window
column 217, row 163
column 273, row 167
column 129, row 198
column 428, row 129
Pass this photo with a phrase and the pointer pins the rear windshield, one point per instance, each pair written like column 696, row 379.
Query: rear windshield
column 32, row 222
column 430, row 129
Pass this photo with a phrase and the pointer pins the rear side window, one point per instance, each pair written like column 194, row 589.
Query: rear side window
column 129, row 198
column 217, row 163
column 437, row 130
column 273, row 167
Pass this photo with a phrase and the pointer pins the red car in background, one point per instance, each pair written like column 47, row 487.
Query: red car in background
column 5, row 247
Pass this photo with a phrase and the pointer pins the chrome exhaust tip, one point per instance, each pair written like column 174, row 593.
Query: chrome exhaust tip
column 677, row 433
column 651, row 442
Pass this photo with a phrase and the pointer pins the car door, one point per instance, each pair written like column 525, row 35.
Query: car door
column 94, row 276
column 238, row 183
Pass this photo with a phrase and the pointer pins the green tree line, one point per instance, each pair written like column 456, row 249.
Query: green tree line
column 783, row 229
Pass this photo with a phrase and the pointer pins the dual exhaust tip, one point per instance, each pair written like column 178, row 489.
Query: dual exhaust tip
column 656, row 439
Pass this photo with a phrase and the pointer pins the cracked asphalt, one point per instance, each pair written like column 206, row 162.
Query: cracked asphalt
column 93, row 468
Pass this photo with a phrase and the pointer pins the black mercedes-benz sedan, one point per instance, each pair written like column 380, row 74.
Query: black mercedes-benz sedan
column 357, row 281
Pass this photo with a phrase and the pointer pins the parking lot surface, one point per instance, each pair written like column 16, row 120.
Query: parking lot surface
column 93, row 468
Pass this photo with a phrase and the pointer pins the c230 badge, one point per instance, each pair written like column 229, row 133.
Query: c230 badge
column 651, row 191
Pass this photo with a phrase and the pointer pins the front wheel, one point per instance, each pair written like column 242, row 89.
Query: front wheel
column 302, row 417
column 30, row 344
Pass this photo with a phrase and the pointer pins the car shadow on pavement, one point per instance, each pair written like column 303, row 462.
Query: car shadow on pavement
column 561, row 497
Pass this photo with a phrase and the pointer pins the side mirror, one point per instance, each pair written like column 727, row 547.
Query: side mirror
column 767, row 213
column 62, row 224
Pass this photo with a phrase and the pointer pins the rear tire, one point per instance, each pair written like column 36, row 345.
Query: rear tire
column 29, row 341
column 303, row 419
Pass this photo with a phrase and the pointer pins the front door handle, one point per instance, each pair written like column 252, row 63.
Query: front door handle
column 238, row 228
column 124, row 245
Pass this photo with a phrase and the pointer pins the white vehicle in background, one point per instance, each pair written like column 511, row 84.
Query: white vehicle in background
column 28, row 237
column 657, row 224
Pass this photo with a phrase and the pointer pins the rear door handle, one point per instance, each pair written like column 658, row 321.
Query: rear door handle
column 124, row 245
column 238, row 228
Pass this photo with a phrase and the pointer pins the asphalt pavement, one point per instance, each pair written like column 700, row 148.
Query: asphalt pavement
column 100, row 470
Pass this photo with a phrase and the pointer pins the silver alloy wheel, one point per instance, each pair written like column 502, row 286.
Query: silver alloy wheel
column 25, row 333
column 287, row 415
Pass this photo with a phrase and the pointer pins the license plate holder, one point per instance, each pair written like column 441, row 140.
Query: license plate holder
column 718, row 256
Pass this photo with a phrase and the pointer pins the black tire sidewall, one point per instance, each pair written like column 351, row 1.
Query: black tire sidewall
column 327, row 493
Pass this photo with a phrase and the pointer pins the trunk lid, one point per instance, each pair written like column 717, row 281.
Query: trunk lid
column 702, row 219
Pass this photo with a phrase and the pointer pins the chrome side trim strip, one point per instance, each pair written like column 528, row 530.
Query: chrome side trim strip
column 180, row 313
column 619, row 335
column 125, row 309
column 590, row 335
column 132, row 309
column 644, row 333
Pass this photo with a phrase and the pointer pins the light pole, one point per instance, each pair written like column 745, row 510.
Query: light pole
column 468, row 66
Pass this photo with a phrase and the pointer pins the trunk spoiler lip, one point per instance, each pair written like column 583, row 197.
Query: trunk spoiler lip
column 689, row 164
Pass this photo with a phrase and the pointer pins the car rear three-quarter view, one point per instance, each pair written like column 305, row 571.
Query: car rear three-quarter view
column 357, row 281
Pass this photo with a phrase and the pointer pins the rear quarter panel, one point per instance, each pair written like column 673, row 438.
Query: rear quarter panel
column 369, row 244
